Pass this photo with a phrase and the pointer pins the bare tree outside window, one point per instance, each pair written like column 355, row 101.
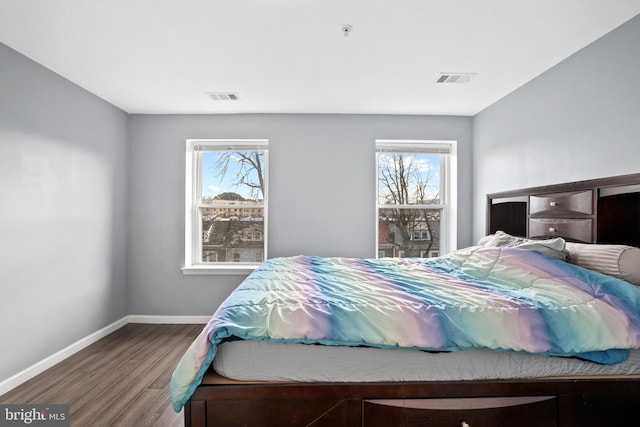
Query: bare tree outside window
column 408, row 185
column 248, row 170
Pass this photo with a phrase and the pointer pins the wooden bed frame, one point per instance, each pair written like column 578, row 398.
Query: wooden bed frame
column 596, row 211
column 571, row 402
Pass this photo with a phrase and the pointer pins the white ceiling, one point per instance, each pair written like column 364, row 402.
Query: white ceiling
column 290, row 56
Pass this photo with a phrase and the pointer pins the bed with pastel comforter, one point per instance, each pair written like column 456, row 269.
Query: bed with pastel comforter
column 499, row 298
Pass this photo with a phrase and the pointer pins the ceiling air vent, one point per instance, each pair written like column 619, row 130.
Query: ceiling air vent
column 223, row 96
column 455, row 77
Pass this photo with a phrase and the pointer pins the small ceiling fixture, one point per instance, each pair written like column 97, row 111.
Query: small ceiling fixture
column 223, row 96
column 455, row 77
column 346, row 29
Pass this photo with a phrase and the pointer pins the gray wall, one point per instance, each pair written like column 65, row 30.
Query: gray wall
column 63, row 190
column 321, row 193
column 579, row 120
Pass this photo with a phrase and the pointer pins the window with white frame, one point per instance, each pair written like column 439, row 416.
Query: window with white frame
column 226, row 205
column 416, row 198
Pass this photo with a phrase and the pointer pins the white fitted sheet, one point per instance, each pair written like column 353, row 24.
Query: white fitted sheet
column 265, row 361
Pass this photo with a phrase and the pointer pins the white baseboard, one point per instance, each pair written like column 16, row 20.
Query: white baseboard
column 171, row 320
column 41, row 366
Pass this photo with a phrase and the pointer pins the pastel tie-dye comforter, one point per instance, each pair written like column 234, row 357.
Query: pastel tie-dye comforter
column 500, row 298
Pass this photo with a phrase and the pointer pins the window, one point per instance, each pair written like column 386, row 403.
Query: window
column 416, row 195
column 419, row 235
column 226, row 205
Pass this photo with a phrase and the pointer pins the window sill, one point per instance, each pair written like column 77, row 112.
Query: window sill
column 218, row 269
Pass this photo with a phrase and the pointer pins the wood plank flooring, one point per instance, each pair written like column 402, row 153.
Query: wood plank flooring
column 120, row 380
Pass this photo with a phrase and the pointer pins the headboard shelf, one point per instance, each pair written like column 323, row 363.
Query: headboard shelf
column 603, row 210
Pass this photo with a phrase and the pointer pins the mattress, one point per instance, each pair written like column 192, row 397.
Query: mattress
column 267, row 361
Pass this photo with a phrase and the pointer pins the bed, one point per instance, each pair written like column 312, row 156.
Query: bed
column 299, row 363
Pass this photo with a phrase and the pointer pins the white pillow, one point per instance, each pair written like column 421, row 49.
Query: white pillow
column 554, row 248
column 619, row 261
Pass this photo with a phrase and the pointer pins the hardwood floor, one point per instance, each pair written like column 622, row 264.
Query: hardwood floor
column 120, row 380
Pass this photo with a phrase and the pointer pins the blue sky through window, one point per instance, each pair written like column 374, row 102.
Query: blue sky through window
column 418, row 168
column 214, row 184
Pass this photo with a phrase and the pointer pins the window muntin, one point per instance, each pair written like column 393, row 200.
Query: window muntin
column 415, row 195
column 226, row 207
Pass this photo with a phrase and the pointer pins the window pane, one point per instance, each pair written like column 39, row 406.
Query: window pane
column 408, row 179
column 232, row 175
column 233, row 234
column 408, row 233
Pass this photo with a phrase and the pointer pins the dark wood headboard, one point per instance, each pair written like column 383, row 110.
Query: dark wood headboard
column 604, row 210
